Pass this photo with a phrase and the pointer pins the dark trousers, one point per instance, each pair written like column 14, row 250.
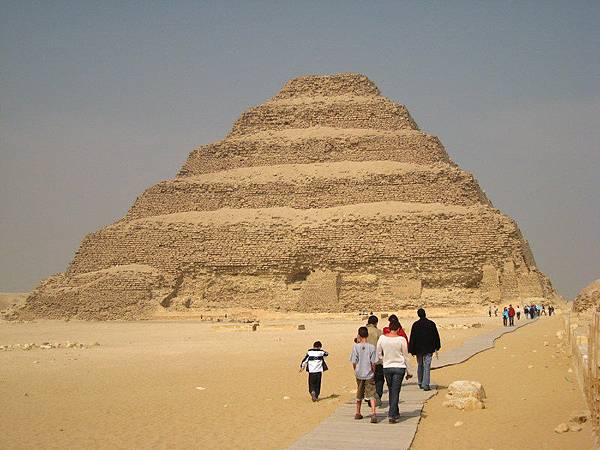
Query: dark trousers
column 393, row 378
column 504, row 320
column 314, row 382
column 379, row 379
column 511, row 321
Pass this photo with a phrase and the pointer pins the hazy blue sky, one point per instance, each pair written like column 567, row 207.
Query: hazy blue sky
column 100, row 100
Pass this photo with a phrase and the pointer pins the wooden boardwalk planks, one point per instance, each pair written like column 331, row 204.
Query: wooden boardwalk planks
column 341, row 431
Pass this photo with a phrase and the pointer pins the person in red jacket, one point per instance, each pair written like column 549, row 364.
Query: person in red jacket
column 511, row 316
column 401, row 332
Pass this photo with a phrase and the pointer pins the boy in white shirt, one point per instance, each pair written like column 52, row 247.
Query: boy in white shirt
column 314, row 363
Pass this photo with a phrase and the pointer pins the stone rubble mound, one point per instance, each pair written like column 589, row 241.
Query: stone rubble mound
column 327, row 197
column 588, row 297
column 45, row 346
column 465, row 395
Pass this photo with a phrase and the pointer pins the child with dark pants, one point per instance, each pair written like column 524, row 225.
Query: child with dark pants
column 314, row 363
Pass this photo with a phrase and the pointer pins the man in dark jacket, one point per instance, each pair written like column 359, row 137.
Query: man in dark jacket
column 424, row 341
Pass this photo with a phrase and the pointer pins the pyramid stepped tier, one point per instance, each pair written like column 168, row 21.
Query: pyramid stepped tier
column 325, row 86
column 315, row 145
column 391, row 235
column 319, row 185
column 338, row 112
column 392, row 245
column 327, row 197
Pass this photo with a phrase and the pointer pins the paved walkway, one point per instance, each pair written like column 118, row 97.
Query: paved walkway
column 341, row 431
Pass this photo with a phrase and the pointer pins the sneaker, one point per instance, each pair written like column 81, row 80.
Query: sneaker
column 373, row 419
column 426, row 388
column 358, row 416
column 392, row 420
column 313, row 396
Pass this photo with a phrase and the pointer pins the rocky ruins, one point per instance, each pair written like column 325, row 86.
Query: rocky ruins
column 326, row 197
column 588, row 298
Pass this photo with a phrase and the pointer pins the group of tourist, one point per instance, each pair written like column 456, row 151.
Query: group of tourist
column 381, row 356
column 531, row 312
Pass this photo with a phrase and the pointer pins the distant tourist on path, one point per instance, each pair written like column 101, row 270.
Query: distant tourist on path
column 526, row 311
column 490, row 311
column 511, row 316
column 314, row 363
column 424, row 341
column 373, row 337
column 518, row 312
column 505, row 316
column 496, row 311
column 393, row 350
column 363, row 358
column 543, row 310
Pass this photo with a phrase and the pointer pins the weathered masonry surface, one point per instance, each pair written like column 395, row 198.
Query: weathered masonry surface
column 327, row 197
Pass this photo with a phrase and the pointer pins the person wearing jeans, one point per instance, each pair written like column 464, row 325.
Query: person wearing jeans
column 424, row 341
column 423, row 369
column 393, row 378
column 393, row 351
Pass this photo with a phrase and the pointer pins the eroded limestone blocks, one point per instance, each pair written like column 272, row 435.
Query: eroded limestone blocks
column 327, row 197
column 588, row 298
column 313, row 145
column 465, row 395
column 307, row 186
column 118, row 292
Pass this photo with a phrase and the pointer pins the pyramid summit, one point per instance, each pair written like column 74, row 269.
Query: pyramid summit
column 327, row 197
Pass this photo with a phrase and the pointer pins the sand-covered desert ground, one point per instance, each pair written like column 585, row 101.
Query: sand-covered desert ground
column 531, row 388
column 201, row 384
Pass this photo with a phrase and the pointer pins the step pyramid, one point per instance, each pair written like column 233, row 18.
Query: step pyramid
column 326, row 197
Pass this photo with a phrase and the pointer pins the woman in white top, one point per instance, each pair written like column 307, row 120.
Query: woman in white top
column 392, row 349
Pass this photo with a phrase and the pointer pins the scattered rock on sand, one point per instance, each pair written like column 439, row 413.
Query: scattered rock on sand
column 286, row 397
column 466, row 395
column 575, row 427
column 561, row 428
column 301, row 327
column 560, row 334
column 458, row 423
column 579, row 416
